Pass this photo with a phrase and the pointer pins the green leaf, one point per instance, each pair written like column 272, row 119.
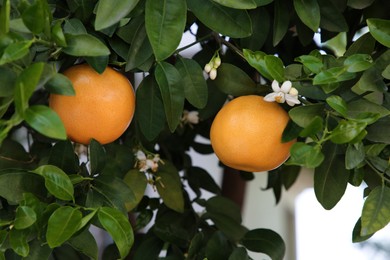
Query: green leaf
column 63, row 156
column 108, row 14
column 361, row 106
column 85, row 45
column 346, row 131
column 338, row 104
column 243, row 4
column 354, row 155
column 18, row 241
column 58, row 34
column 13, row 183
column 356, row 237
column 26, row 84
column 233, row 81
column 256, row 60
column 303, row 115
column 34, row 17
column 85, row 243
column 333, row 75
column 265, row 241
column 98, row 63
column 97, row 157
column 137, row 182
column 218, row 247
column 200, row 178
column 331, row 177
column 60, row 84
column 56, row 182
column 25, row 217
column 331, row 17
column 5, row 12
column 227, row 21
column 261, row 23
column 275, row 67
column 313, row 63
column 74, row 26
column 195, row 90
column 38, row 250
column 305, row 155
column 359, row 4
column 44, row 120
column 169, row 187
column 239, row 253
column 315, row 126
column 169, row 81
column 150, row 108
column 118, row 226
column 358, row 62
column 386, row 72
column 140, row 49
column 309, row 13
column 376, row 210
column 226, row 216
column 380, row 30
column 8, row 79
column 263, row 2
column 281, row 20
column 364, row 45
column 170, row 16
column 62, row 225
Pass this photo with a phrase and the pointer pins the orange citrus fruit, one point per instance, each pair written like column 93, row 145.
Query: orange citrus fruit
column 102, row 107
column 246, row 134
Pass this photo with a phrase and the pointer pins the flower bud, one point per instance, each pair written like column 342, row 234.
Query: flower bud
column 217, row 62
column 293, row 92
column 207, row 68
column 213, row 74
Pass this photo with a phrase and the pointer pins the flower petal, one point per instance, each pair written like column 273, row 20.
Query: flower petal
column 275, row 86
column 292, row 100
column 270, row 97
column 286, row 86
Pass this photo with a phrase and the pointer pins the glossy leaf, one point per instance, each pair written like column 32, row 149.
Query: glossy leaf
column 346, row 131
column 218, row 247
column 85, row 243
column 313, row 63
column 38, row 251
column 195, row 90
column 303, row 115
column 108, row 14
column 169, row 81
column 5, row 11
column 137, row 182
column 44, row 120
column 333, row 75
column 140, row 49
column 61, row 85
column 13, row 183
column 265, row 241
column 18, row 241
column 233, row 81
column 364, row 45
column 314, row 127
column 330, row 177
column 150, row 108
column 227, row 21
column 200, row 178
column 261, row 27
column 8, row 78
column 63, row 156
column 58, row 34
column 256, row 60
column 281, row 20
column 275, row 67
column 360, row 4
column 97, row 156
column 118, row 226
column 338, row 104
column 62, row 225
column 356, row 237
column 169, row 187
column 34, row 17
column 15, row 51
column 56, row 182
column 358, row 62
column 376, row 211
column 239, row 253
column 380, row 30
column 331, row 17
column 26, row 84
column 361, row 106
column 74, row 27
column 309, row 13
column 244, row 4
column 354, row 155
column 170, row 16
column 85, row 45
column 25, row 217
column 305, row 155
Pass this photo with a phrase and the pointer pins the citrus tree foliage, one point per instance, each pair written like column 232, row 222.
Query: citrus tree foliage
column 50, row 195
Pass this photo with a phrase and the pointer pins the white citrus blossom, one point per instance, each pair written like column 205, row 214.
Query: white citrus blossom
column 145, row 163
column 190, row 117
column 285, row 93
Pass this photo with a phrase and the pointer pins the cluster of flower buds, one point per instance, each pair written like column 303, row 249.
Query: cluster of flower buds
column 211, row 67
column 146, row 163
